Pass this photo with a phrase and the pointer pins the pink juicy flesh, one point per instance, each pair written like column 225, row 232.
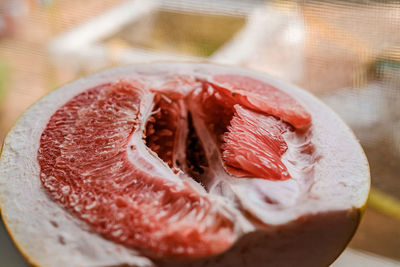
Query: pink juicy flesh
column 263, row 97
column 254, row 145
column 251, row 141
column 84, row 164
column 162, row 129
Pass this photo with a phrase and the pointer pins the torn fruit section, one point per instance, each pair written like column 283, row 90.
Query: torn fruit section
column 192, row 126
column 254, row 144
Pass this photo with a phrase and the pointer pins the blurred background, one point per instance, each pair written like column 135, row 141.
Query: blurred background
column 345, row 52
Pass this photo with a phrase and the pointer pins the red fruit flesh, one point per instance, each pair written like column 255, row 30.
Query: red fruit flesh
column 85, row 163
column 264, row 97
column 162, row 129
column 84, row 166
column 251, row 141
column 254, row 145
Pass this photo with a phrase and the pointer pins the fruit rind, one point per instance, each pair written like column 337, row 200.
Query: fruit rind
column 21, row 226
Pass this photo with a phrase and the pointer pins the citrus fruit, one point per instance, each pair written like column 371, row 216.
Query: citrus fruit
column 177, row 164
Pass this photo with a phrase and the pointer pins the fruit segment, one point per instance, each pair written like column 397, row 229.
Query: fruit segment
column 264, row 97
column 84, row 166
column 253, row 145
column 163, row 127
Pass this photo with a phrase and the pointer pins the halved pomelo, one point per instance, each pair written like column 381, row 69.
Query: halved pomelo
column 175, row 164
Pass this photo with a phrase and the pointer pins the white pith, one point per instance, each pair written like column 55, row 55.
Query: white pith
column 340, row 177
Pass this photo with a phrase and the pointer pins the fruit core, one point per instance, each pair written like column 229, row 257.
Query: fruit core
column 91, row 163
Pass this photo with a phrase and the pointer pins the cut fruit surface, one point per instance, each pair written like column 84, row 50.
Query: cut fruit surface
column 181, row 165
column 85, row 166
